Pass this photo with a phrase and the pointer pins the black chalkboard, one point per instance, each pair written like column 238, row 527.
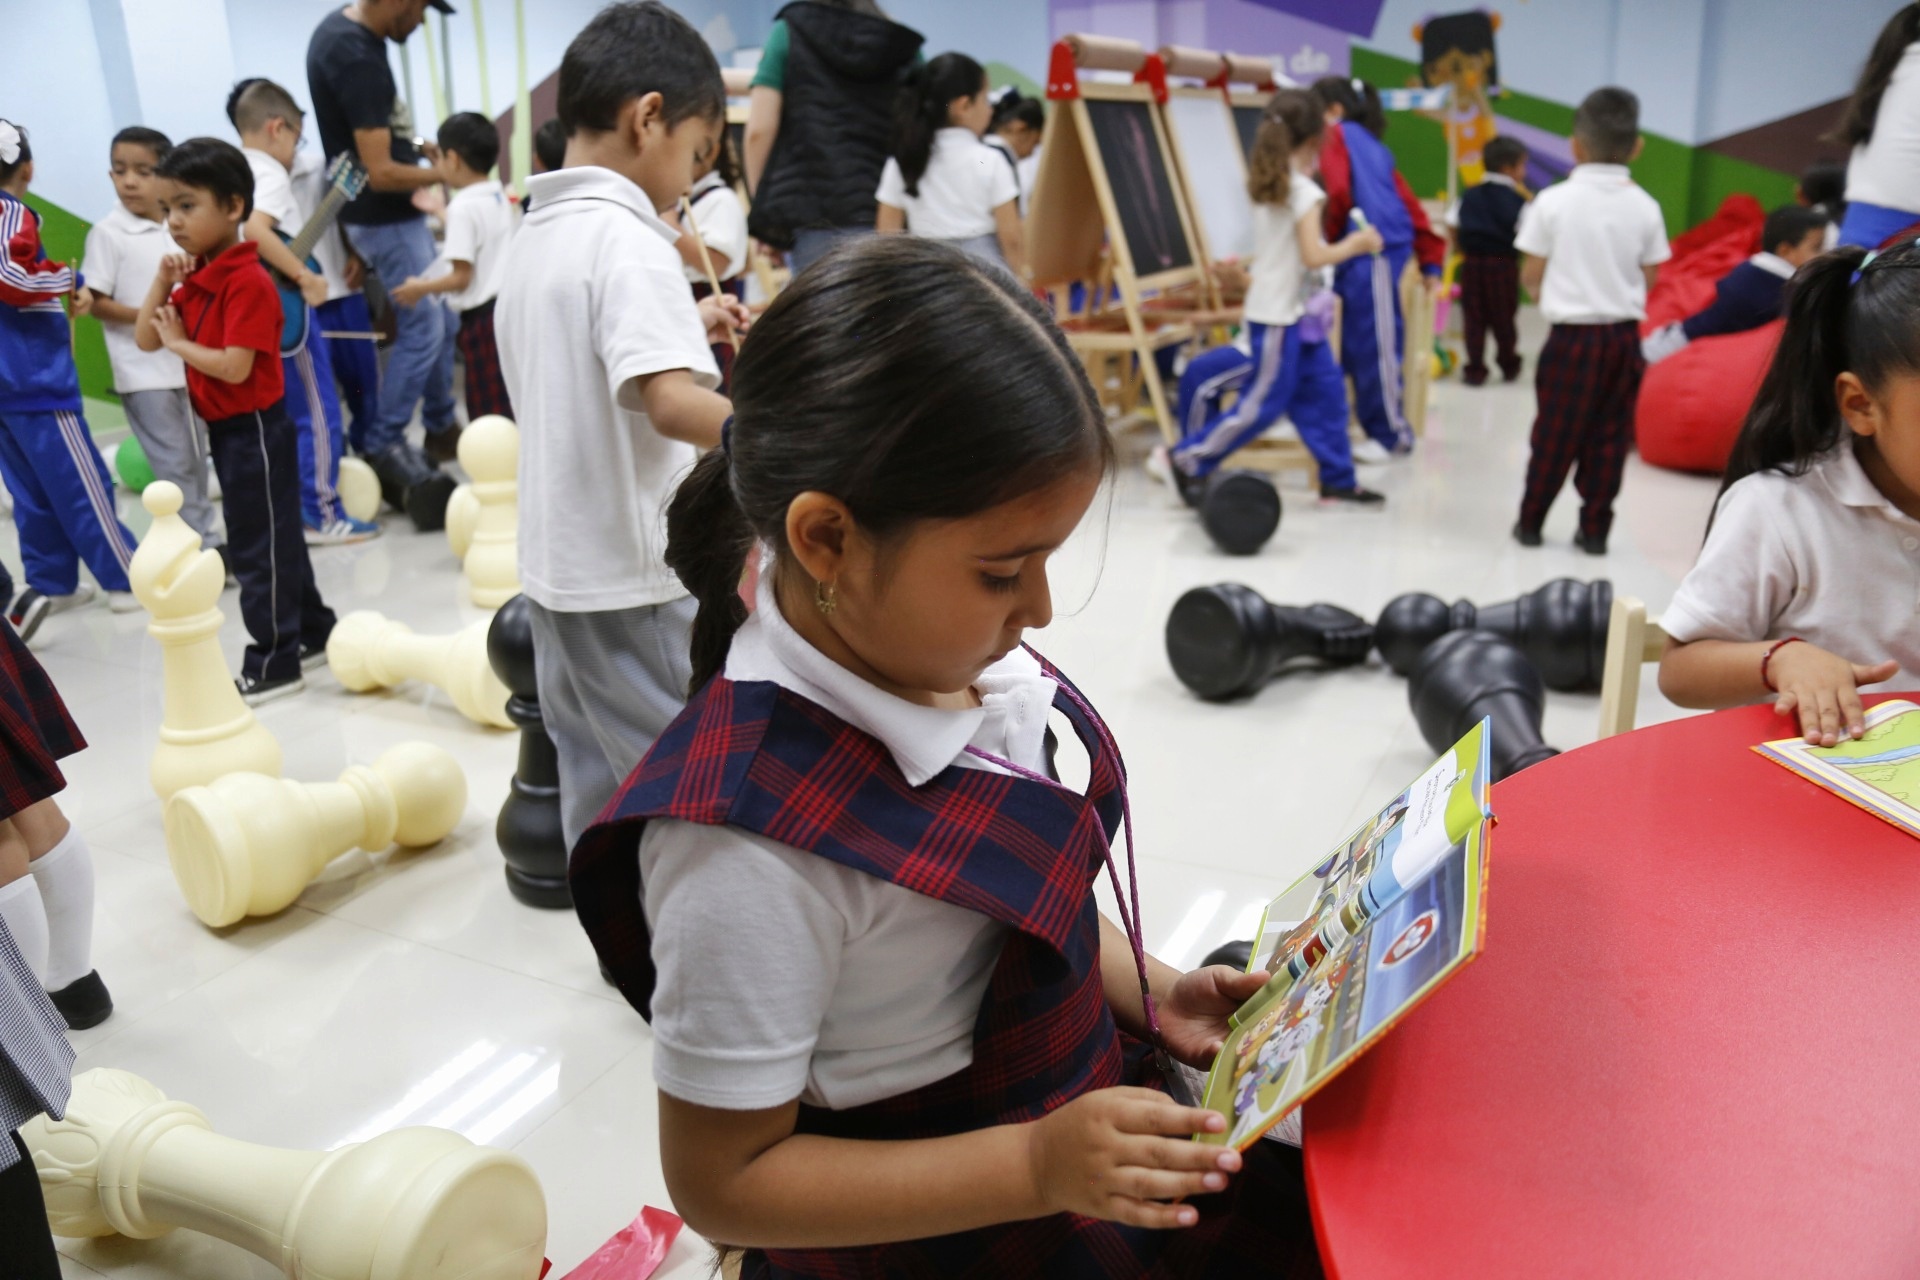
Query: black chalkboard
column 1142, row 189
column 1247, row 121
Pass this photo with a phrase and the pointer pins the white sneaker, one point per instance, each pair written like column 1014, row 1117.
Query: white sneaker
column 1160, row 467
column 1371, row 453
column 341, row 531
column 82, row 594
column 122, row 602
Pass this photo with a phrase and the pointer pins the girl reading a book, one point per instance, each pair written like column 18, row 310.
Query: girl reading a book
column 893, row 1033
column 1805, row 590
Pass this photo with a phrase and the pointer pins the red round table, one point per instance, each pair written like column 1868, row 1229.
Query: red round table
column 1691, row 1047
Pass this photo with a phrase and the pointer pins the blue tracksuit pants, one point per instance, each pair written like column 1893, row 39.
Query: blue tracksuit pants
column 62, row 502
column 314, row 407
column 1372, row 336
column 1282, row 377
column 356, row 363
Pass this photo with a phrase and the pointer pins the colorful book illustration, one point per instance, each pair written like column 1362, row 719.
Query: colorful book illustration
column 1879, row 771
column 1392, row 914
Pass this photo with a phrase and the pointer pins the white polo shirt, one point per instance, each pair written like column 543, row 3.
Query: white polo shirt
column 480, row 221
column 1885, row 169
column 592, row 297
column 309, row 189
column 1596, row 230
column 965, row 181
column 273, row 192
column 123, row 257
column 849, row 988
column 1824, row 556
column 1277, row 278
column 722, row 222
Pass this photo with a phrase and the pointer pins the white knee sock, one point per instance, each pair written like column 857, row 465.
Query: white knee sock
column 65, row 876
column 26, row 919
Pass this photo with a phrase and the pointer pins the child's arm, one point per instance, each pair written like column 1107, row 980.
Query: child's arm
column 228, row 364
column 1823, row 687
column 747, row 1178
column 682, row 409
column 414, row 288
column 1652, row 273
column 105, row 308
column 173, row 269
column 890, row 220
column 1533, row 270
column 1192, row 1007
column 1013, row 245
column 1316, row 252
column 274, row 252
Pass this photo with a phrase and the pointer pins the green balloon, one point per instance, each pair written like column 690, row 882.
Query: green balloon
column 130, row 460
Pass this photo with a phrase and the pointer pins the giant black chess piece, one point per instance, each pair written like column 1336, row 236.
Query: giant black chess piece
column 528, row 829
column 1467, row 675
column 410, row 482
column 1562, row 627
column 1225, row 640
column 1240, row 510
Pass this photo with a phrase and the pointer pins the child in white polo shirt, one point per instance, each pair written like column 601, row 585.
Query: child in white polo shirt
column 123, row 256
column 1592, row 244
column 606, row 357
column 1806, row 586
column 942, row 181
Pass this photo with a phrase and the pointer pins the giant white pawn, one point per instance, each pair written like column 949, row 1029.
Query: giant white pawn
column 248, row 844
column 205, row 729
column 368, row 651
column 411, row 1204
column 463, row 512
column 490, row 452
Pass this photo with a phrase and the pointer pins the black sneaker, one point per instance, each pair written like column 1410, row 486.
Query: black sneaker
column 1354, row 497
column 1592, row 546
column 312, row 655
column 1526, row 537
column 255, row 691
column 84, row 1002
column 30, row 609
column 444, row 445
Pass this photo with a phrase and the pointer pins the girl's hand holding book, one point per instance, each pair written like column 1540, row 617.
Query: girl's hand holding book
column 1121, row 1153
column 1194, row 1012
column 1824, row 688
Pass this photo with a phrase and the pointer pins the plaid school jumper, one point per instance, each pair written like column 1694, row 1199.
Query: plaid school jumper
column 1587, row 382
column 36, row 729
column 758, row 757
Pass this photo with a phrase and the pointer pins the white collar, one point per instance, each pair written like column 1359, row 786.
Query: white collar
column 954, row 135
column 1502, row 180
column 127, row 220
column 1611, row 174
column 923, row 741
column 1850, row 484
column 550, row 191
column 706, row 184
column 479, row 190
column 1773, row 264
column 252, row 152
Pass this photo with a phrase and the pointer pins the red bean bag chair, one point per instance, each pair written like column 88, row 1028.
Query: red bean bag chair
column 1692, row 403
column 1701, row 255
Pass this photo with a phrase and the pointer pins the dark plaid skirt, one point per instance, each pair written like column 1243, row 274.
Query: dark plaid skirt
column 35, row 728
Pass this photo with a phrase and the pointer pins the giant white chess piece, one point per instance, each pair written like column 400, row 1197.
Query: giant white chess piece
column 411, row 1204
column 490, row 452
column 248, row 844
column 463, row 512
column 205, row 729
column 369, row 651
column 359, row 489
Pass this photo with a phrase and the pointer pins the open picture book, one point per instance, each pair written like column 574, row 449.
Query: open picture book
column 1358, row 941
column 1879, row 771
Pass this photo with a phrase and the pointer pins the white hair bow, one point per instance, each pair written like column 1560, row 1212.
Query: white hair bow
column 9, row 142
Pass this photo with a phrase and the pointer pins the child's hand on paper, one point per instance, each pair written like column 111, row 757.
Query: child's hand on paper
column 1121, row 1153
column 1193, row 1016
column 1825, row 689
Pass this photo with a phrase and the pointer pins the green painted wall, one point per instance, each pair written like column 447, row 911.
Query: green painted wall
column 65, row 238
column 1688, row 182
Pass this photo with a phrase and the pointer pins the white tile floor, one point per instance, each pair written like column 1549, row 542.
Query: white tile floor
column 412, row 989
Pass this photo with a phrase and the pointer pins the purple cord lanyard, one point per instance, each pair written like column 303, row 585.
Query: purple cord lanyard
column 1129, row 920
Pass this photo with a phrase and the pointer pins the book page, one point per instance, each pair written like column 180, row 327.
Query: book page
column 1879, row 771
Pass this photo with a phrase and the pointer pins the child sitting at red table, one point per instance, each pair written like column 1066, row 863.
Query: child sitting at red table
column 1804, row 590
column 1753, row 293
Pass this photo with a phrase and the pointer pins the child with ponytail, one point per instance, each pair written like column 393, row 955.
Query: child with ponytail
column 933, row 1055
column 942, row 181
column 1287, row 368
column 1805, row 589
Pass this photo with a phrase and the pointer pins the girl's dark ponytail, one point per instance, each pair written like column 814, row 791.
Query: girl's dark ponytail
column 708, row 541
column 1902, row 29
column 923, row 110
column 1847, row 312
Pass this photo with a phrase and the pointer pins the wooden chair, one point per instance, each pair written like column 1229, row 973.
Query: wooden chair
column 1633, row 640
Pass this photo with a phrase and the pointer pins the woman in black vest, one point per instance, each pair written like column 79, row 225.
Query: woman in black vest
column 820, row 124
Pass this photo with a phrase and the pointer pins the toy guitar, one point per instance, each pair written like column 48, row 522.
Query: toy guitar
column 345, row 180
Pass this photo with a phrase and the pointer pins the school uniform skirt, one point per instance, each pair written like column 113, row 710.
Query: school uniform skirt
column 36, row 731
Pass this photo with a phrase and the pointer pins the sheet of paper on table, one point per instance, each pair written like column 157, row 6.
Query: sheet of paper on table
column 1879, row 771
column 1394, row 912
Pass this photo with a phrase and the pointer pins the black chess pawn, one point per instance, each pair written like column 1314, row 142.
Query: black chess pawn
column 1240, row 510
column 1226, row 641
column 528, row 829
column 1468, row 675
column 1561, row 627
column 410, row 482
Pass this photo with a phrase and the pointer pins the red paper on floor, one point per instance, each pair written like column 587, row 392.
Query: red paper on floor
column 636, row 1250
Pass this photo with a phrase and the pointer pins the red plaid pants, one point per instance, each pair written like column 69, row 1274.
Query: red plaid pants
column 1489, row 299
column 1587, row 382
column 486, row 385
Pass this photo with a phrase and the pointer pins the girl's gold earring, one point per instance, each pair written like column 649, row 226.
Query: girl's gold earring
column 824, row 598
